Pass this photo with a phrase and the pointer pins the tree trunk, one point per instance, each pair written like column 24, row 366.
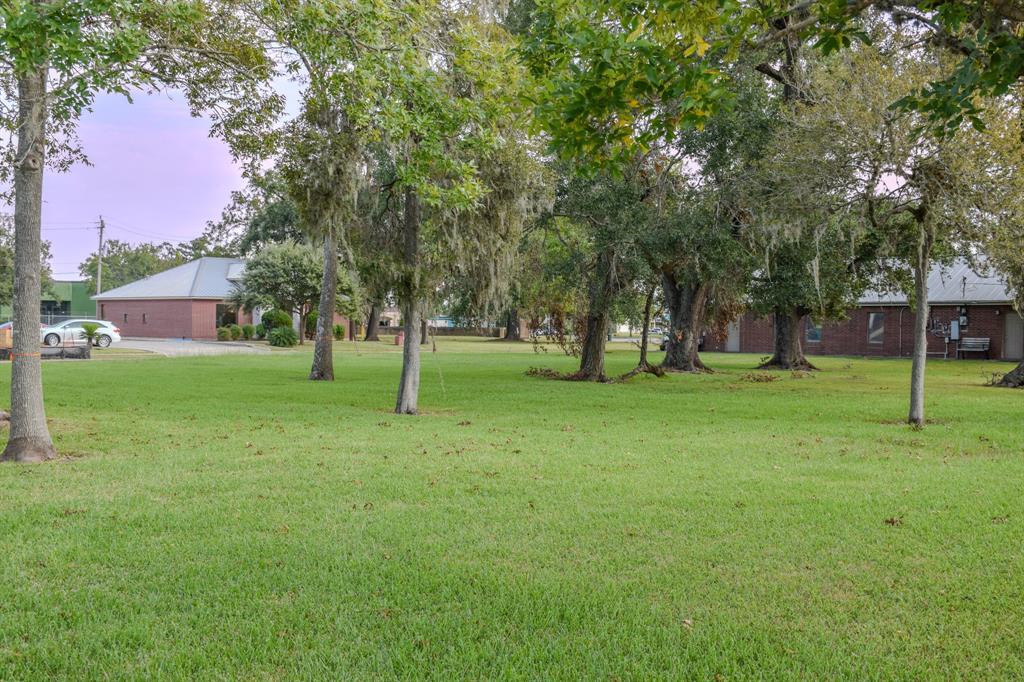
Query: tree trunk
column 409, row 384
column 424, row 331
column 592, row 353
column 916, row 415
column 789, row 330
column 373, row 323
column 323, row 351
column 601, row 293
column 1015, row 378
column 645, row 332
column 686, row 301
column 302, row 327
column 512, row 330
column 29, row 438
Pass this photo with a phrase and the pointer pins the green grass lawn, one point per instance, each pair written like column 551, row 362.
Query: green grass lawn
column 223, row 518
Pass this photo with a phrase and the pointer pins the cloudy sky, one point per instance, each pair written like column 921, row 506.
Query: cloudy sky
column 156, row 176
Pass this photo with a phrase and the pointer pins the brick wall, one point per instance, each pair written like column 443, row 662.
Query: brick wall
column 167, row 319
column 204, row 319
column 160, row 319
column 850, row 336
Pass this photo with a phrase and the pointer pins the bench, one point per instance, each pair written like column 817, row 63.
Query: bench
column 972, row 345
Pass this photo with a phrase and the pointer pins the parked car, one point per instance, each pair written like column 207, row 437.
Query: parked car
column 72, row 333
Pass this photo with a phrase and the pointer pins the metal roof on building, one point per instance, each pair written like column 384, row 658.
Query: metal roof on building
column 957, row 284
column 207, row 278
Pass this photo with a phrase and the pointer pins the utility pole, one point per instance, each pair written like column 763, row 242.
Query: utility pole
column 99, row 264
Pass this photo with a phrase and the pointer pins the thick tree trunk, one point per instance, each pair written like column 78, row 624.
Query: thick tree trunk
column 424, row 331
column 916, row 415
column 789, row 352
column 601, row 293
column 512, row 330
column 373, row 323
column 686, row 302
column 592, row 352
column 409, row 384
column 323, row 351
column 1015, row 378
column 29, row 438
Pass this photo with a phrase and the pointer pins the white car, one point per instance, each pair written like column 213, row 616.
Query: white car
column 72, row 333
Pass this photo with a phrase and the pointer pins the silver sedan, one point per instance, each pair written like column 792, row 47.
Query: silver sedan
column 72, row 333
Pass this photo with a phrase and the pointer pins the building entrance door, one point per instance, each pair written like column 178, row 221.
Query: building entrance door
column 1013, row 339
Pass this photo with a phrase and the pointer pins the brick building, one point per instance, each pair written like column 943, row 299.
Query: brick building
column 186, row 302
column 962, row 302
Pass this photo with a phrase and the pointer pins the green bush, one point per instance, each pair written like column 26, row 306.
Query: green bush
column 311, row 324
column 339, row 332
column 236, row 332
column 276, row 318
column 282, row 337
column 260, row 332
column 248, row 331
column 89, row 331
column 223, row 334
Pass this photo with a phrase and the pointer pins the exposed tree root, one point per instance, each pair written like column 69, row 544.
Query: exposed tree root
column 28, row 450
column 548, row 373
column 694, row 366
column 643, row 368
column 1013, row 379
column 801, row 365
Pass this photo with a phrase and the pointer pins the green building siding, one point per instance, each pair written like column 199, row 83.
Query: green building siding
column 81, row 304
column 62, row 295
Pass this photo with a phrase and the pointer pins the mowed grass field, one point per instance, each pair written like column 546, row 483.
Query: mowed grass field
column 224, row 518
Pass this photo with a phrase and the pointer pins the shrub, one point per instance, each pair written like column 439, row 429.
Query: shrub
column 311, row 324
column 276, row 318
column 282, row 337
column 260, row 331
column 236, row 332
column 223, row 334
column 339, row 332
column 248, row 331
column 89, row 331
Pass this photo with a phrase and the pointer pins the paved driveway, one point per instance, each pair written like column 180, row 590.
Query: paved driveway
column 176, row 348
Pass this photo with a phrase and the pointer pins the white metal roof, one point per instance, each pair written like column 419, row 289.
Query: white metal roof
column 954, row 284
column 208, row 278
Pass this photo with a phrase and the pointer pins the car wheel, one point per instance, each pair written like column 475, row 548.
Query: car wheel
column 104, row 341
column 52, row 340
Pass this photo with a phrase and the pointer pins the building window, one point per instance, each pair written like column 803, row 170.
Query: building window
column 876, row 328
column 813, row 333
column 126, row 317
column 103, row 311
column 143, row 318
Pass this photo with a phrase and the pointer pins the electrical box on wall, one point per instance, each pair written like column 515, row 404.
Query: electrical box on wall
column 954, row 330
column 963, row 321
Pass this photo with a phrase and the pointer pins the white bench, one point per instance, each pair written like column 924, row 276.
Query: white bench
column 972, row 345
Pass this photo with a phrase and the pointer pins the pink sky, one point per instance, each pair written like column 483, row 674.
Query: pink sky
column 156, row 176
